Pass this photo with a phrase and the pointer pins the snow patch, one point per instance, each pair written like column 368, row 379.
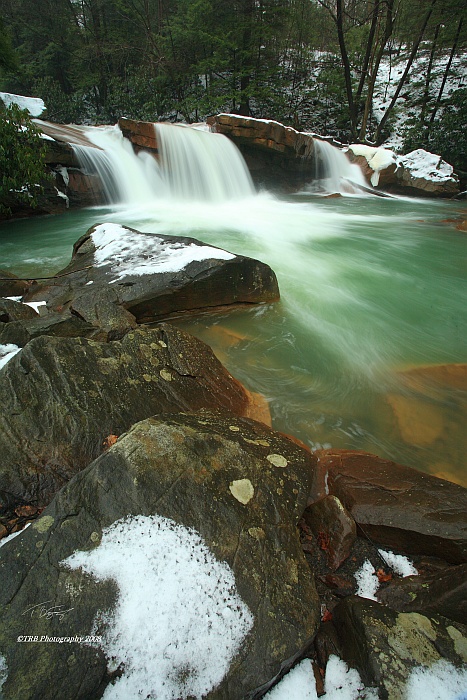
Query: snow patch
column 340, row 683
column 367, row 581
column 34, row 105
column 8, row 538
column 131, row 253
column 7, row 352
column 3, row 671
column 441, row 681
column 179, row 620
column 398, row 563
column 35, row 304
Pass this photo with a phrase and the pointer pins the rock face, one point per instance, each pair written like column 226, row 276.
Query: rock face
column 11, row 285
column 385, row 645
column 141, row 134
column 397, row 506
column 241, row 486
column 277, row 155
column 61, row 397
column 119, row 277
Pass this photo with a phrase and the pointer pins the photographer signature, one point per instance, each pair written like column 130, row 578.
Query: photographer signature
column 41, row 610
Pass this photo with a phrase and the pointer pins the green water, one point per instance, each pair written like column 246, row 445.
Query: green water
column 369, row 288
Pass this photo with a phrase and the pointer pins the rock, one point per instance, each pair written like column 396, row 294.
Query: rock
column 152, row 276
column 179, row 467
column 462, row 225
column 277, row 155
column 397, row 506
column 141, row 134
column 64, row 325
column 384, row 646
column 11, row 285
column 15, row 311
column 61, row 397
column 335, row 529
column 443, row 593
column 425, row 173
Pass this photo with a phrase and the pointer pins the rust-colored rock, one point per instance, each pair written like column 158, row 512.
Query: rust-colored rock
column 397, row 506
column 141, row 134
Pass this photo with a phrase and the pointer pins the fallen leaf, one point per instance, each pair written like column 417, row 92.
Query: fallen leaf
column 109, row 441
column 383, row 576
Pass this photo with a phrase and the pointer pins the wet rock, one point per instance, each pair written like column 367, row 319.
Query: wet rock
column 153, row 276
column 444, row 593
column 334, row 528
column 384, row 646
column 397, row 506
column 63, row 325
column 11, row 285
column 15, row 311
column 61, row 397
column 180, row 467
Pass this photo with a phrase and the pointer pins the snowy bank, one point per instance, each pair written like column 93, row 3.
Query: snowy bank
column 34, row 105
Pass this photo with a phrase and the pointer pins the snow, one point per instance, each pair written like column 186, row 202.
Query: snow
column 377, row 158
column 34, row 105
column 3, row 671
column 8, row 538
column 131, row 253
column 428, row 166
column 340, row 683
column 299, row 684
column 367, row 581
column 178, row 621
column 441, row 681
column 398, row 563
column 35, row 304
column 7, row 352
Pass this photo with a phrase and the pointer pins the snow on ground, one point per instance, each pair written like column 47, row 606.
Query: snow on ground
column 398, row 563
column 34, row 105
column 377, row 158
column 131, row 253
column 7, row 352
column 179, row 620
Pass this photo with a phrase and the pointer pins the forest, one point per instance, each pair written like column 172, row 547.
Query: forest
column 311, row 64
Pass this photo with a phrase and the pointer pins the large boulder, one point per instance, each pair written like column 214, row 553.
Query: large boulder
column 277, row 156
column 151, row 276
column 425, row 173
column 141, row 134
column 176, row 555
column 397, row 506
column 61, row 397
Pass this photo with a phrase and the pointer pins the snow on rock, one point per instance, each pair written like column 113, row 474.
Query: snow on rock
column 378, row 159
column 367, row 581
column 34, row 105
column 398, row 563
column 178, row 621
column 129, row 253
column 3, row 671
column 428, row 173
column 3, row 541
column 441, row 681
column 427, row 165
column 7, row 352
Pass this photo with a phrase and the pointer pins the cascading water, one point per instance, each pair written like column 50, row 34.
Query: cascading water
column 199, row 165
column 194, row 165
column 334, row 171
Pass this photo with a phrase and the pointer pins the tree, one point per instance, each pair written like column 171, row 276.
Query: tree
column 21, row 158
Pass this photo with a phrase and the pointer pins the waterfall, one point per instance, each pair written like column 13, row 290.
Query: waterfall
column 334, row 172
column 193, row 165
column 199, row 165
